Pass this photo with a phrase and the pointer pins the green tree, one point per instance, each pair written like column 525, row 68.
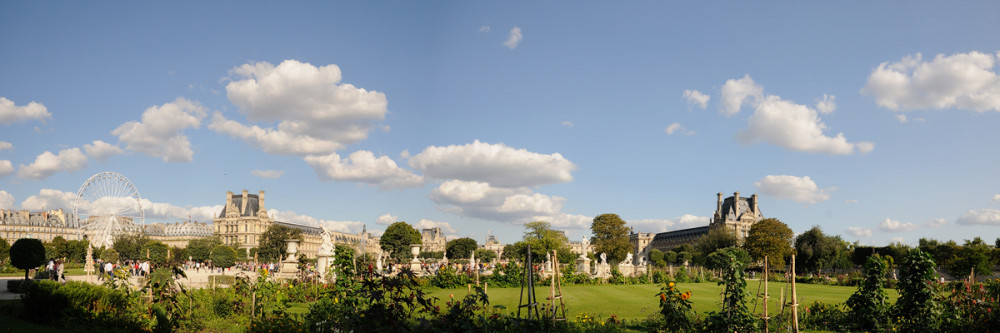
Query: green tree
column 76, row 250
column 4, row 251
column 868, row 305
column 656, row 258
column 109, row 255
column 974, row 255
column 130, row 246
column 485, row 255
column 721, row 257
column 223, row 256
column 397, row 238
column 272, row 245
column 156, row 251
column 60, row 246
column 917, row 309
column 460, row 248
column 734, row 317
column 611, row 237
column 27, row 253
column 543, row 239
column 771, row 238
column 815, row 251
column 716, row 238
column 199, row 248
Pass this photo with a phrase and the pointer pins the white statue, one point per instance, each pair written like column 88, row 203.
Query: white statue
column 548, row 257
column 604, row 258
column 327, row 248
column 378, row 263
column 628, row 259
column 642, row 261
column 585, row 244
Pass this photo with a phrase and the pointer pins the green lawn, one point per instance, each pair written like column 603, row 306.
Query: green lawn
column 639, row 301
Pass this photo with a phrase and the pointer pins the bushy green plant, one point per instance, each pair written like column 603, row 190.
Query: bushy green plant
column 917, row 309
column 868, row 306
column 675, row 307
column 971, row 308
column 734, row 316
column 824, row 317
column 447, row 278
column 659, row 277
column 681, row 275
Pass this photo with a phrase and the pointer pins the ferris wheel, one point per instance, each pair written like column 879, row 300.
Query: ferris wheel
column 108, row 205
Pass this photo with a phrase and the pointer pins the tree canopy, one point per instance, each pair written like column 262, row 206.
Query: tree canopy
column 272, row 245
column 772, row 238
column 543, row 239
column 131, row 246
column 223, row 256
column 716, row 238
column 815, row 251
column 461, row 248
column 4, row 251
column 27, row 253
column 611, row 237
column 198, row 249
column 397, row 238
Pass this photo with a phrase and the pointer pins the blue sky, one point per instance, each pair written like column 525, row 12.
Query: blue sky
column 875, row 121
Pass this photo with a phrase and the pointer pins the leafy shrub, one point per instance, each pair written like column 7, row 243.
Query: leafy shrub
column 659, row 277
column 681, row 275
column 675, row 308
column 868, row 306
column 917, row 310
column 824, row 317
column 447, row 278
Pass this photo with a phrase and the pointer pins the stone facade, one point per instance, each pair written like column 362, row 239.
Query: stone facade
column 44, row 226
column 432, row 240
column 641, row 245
column 492, row 244
column 736, row 214
column 178, row 234
column 244, row 218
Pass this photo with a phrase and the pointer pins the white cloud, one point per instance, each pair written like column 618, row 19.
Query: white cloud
column 996, row 198
column 894, row 225
column 496, row 164
column 678, row 223
column 851, row 201
column 159, row 134
column 987, row 216
column 268, row 174
column 514, row 38
column 795, row 127
column 735, row 92
column 480, row 200
column 6, row 168
column 677, row 128
column 896, row 240
column 6, row 200
column 859, row 232
column 4, row 145
column 936, row 222
column 351, row 227
column 427, row 224
column 49, row 199
column 310, row 104
column 362, row 166
column 10, row 113
column 165, row 212
column 565, row 221
column 901, row 118
column 567, row 123
column 485, row 29
column 387, row 219
column 799, row 189
column 47, row 164
column 101, row 150
column 962, row 80
column 827, row 105
column 696, row 98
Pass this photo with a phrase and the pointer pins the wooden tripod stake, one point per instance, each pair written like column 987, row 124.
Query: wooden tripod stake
column 555, row 291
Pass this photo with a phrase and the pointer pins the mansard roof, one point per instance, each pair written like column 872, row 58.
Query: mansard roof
column 253, row 205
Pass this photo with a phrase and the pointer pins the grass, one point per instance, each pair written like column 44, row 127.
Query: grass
column 633, row 302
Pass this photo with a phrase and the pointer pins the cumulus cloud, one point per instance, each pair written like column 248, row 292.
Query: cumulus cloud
column 696, row 98
column 6, row 200
column 387, row 219
column 480, row 200
column 160, row 133
column 678, row 223
column 851, row 201
column 735, row 92
column 351, row 227
column 4, row 145
column 159, row 211
column 567, row 123
column 10, row 113
column 987, row 216
column 799, row 189
column 859, row 232
column 6, row 168
column 427, row 224
column 268, row 174
column 514, row 38
column 962, row 80
column 362, row 166
column 565, row 221
column 49, row 199
column 316, row 112
column 795, row 127
column 894, row 225
column 47, row 164
column 996, row 198
column 936, row 223
column 677, row 128
column 496, row 164
column 101, row 150
column 827, row 104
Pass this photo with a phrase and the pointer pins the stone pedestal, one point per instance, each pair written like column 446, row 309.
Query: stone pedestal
column 603, row 270
column 583, row 265
column 323, row 263
column 415, row 263
column 627, row 269
column 290, row 266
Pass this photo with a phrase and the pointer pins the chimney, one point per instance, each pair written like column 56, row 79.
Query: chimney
column 736, row 203
column 243, row 205
column 718, row 207
column 753, row 204
column 229, row 202
column 260, row 201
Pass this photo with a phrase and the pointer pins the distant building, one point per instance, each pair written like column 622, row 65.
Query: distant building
column 641, row 245
column 432, row 240
column 736, row 214
column 492, row 244
column 44, row 225
column 178, row 234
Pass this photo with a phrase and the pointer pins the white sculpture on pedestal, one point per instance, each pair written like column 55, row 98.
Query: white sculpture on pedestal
column 585, row 245
column 327, row 246
column 628, row 259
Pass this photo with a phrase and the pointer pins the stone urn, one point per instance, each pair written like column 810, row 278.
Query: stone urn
column 415, row 250
column 293, row 248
